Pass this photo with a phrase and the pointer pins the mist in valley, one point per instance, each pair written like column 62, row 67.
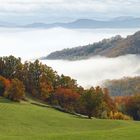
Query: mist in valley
column 96, row 70
column 35, row 43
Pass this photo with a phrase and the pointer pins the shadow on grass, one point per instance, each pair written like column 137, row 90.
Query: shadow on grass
column 4, row 100
column 58, row 108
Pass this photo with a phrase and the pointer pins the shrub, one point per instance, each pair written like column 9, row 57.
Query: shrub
column 132, row 106
column 4, row 84
column 15, row 91
column 118, row 116
column 66, row 98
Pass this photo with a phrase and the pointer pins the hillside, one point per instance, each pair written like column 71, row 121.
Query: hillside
column 123, row 87
column 30, row 122
column 113, row 47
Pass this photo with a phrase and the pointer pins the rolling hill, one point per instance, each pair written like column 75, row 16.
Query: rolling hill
column 126, row 86
column 20, row 121
column 113, row 47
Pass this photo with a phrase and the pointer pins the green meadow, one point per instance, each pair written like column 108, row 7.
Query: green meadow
column 24, row 121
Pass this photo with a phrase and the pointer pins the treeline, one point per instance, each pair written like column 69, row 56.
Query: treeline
column 129, row 105
column 123, row 87
column 42, row 82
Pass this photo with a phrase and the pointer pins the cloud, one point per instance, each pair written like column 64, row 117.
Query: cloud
column 31, row 43
column 93, row 72
column 68, row 5
column 33, row 10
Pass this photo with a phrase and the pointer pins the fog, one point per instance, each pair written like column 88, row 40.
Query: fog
column 94, row 71
column 34, row 43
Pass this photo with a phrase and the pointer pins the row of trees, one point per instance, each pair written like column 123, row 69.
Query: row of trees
column 42, row 82
column 92, row 102
column 129, row 105
column 126, row 86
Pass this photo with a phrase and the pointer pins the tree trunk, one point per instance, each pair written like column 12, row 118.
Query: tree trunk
column 89, row 116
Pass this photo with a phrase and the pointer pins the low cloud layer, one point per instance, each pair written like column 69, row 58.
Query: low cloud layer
column 35, row 43
column 94, row 71
column 81, row 5
column 41, row 9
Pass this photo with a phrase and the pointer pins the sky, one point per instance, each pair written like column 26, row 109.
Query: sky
column 28, row 11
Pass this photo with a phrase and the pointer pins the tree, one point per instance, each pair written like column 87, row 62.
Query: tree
column 9, row 66
column 67, row 82
column 109, row 103
column 4, row 84
column 39, row 79
column 1, row 65
column 133, row 107
column 66, row 98
column 46, row 88
column 126, row 86
column 16, row 90
column 91, row 100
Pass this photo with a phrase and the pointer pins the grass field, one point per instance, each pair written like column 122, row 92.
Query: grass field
column 29, row 122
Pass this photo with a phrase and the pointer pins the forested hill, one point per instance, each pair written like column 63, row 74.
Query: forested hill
column 126, row 86
column 113, row 47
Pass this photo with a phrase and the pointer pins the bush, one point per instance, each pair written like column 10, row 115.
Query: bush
column 66, row 98
column 4, row 84
column 132, row 106
column 16, row 90
column 118, row 116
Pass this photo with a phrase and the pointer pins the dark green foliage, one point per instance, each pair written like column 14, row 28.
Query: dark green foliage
column 10, row 67
column 67, row 82
column 2, row 89
column 95, row 101
column 91, row 101
column 133, row 107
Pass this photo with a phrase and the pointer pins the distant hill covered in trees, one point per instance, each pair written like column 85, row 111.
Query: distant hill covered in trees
column 113, row 47
column 126, row 86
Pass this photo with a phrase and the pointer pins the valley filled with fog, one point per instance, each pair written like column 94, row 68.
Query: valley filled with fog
column 35, row 43
column 96, row 70
column 30, row 43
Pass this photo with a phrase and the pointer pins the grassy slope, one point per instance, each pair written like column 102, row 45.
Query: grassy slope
column 29, row 122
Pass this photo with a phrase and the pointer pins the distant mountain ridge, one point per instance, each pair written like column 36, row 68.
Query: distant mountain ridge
column 118, row 22
column 113, row 47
